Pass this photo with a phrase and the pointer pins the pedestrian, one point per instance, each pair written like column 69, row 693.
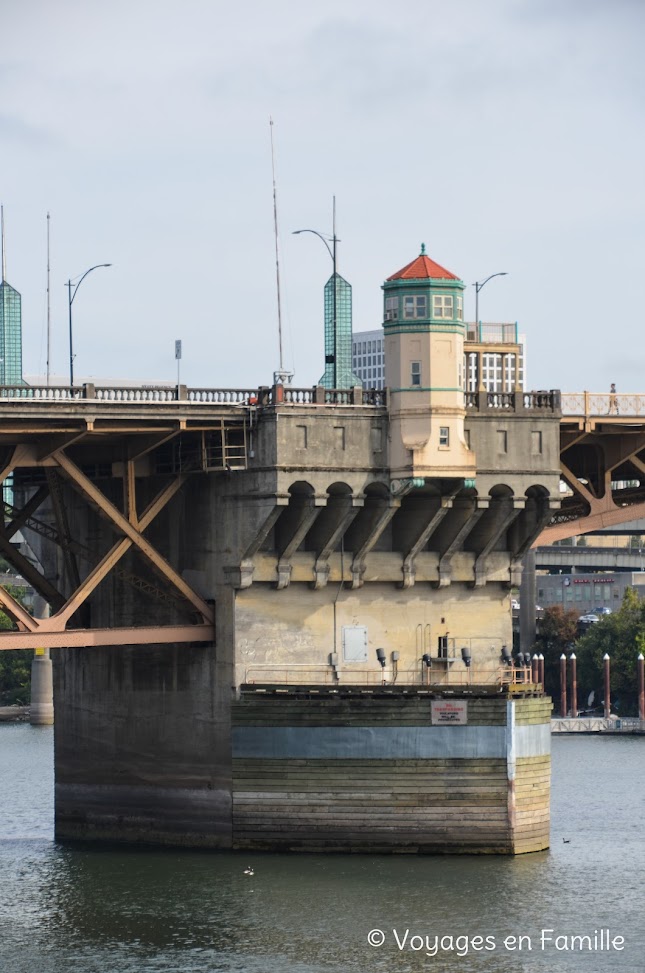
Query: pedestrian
column 613, row 399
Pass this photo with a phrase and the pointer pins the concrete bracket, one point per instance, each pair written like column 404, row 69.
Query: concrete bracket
column 515, row 574
column 409, row 574
column 321, row 574
column 480, row 575
column 445, row 573
column 241, row 577
column 284, row 574
column 358, row 570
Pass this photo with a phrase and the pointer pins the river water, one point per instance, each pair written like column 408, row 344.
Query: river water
column 107, row 910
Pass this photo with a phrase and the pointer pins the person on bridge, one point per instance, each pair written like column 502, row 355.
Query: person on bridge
column 613, row 399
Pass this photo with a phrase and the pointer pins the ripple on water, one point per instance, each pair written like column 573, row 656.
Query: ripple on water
column 107, row 910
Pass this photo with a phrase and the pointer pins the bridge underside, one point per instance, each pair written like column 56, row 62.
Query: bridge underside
column 603, row 466
column 124, row 474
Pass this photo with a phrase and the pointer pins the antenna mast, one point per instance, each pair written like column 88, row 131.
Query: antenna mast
column 48, row 307
column 281, row 375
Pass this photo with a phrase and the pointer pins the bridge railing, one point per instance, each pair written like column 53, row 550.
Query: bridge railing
column 482, row 402
column 597, row 404
column 543, row 400
column 263, row 396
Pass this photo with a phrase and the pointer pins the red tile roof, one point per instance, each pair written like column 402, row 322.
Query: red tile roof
column 422, row 266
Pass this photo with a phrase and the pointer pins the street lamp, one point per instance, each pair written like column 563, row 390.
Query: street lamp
column 332, row 253
column 71, row 294
column 478, row 286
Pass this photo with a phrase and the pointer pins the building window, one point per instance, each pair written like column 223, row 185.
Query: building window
column 415, row 306
column 460, row 308
column 471, row 372
column 442, row 306
column 391, row 308
column 492, row 372
column 415, row 373
column 444, row 436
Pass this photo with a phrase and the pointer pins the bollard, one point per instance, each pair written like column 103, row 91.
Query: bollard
column 574, row 686
column 563, row 685
column 606, row 661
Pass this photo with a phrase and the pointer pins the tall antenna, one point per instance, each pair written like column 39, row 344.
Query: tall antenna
column 281, row 375
column 4, row 256
column 48, row 307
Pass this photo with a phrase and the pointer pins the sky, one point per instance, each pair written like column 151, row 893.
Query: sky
column 507, row 136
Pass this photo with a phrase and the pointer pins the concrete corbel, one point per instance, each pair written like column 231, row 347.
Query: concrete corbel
column 242, row 576
column 283, row 569
column 515, row 573
column 358, row 570
column 321, row 574
column 409, row 573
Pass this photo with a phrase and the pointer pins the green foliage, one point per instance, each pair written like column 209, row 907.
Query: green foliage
column 15, row 665
column 620, row 636
column 558, row 631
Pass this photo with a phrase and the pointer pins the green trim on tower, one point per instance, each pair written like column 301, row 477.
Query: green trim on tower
column 395, row 328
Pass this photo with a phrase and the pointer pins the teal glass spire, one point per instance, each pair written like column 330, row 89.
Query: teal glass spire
column 338, row 340
column 10, row 335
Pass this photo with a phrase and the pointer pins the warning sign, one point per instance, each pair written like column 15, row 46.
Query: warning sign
column 445, row 711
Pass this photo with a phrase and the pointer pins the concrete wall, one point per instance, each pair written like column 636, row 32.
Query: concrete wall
column 280, row 633
column 143, row 735
column 373, row 774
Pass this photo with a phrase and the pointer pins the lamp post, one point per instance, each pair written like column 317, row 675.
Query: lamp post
column 478, row 286
column 332, row 253
column 71, row 294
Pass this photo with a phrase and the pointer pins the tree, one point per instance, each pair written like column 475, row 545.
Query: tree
column 621, row 637
column 558, row 632
column 15, row 665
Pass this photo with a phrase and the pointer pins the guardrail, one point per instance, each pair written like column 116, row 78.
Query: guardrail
column 263, row 396
column 598, row 404
column 540, row 401
column 296, row 674
column 597, row 724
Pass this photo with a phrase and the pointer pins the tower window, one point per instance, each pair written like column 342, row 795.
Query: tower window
column 460, row 308
column 444, row 436
column 415, row 306
column 442, row 306
column 391, row 308
column 415, row 373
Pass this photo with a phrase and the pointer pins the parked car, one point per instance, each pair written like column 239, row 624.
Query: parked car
column 515, row 605
column 602, row 611
column 589, row 618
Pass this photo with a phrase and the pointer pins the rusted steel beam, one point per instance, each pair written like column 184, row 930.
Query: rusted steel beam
column 20, row 517
column 129, row 493
column 108, row 509
column 106, row 564
column 16, row 611
column 75, row 638
column 30, row 573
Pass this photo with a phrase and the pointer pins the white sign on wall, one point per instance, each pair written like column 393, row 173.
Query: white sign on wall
column 443, row 711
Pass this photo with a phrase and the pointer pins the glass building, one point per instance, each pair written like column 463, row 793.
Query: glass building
column 10, row 335
column 338, row 335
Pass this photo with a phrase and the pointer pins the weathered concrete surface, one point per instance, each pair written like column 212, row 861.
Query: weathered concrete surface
column 307, row 540
column 352, row 773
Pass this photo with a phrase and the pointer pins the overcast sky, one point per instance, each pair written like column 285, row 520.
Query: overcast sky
column 507, row 135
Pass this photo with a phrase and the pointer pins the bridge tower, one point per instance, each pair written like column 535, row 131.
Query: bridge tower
column 424, row 355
